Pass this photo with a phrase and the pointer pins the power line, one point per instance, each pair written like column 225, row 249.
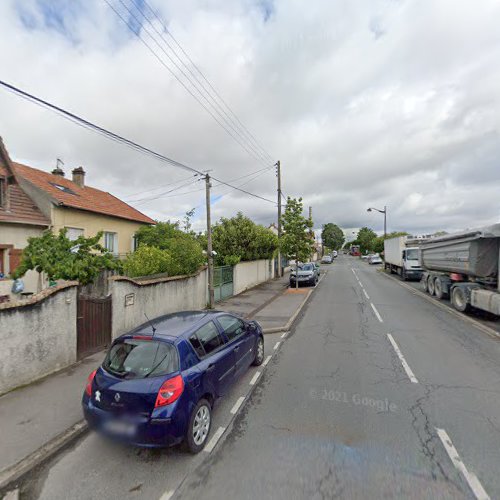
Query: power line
column 245, row 130
column 156, row 188
column 111, row 135
column 247, row 148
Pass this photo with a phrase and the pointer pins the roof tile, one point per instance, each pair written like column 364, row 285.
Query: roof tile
column 72, row 195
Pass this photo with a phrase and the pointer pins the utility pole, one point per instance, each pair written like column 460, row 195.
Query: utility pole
column 385, row 222
column 209, row 246
column 278, row 174
column 312, row 231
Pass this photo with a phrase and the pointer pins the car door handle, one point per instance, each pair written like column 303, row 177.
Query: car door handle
column 236, row 349
column 210, row 367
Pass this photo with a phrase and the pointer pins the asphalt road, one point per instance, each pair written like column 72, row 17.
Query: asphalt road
column 345, row 411
column 376, row 393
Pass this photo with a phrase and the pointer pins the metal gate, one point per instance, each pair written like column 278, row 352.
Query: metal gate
column 93, row 325
column 223, row 282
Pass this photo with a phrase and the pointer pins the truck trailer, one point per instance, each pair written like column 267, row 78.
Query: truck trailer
column 464, row 267
column 401, row 256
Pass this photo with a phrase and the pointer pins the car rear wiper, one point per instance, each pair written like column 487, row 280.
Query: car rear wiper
column 157, row 365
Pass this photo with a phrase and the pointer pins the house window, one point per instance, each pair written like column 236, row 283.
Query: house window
column 135, row 244
column 74, row 233
column 3, row 193
column 111, row 242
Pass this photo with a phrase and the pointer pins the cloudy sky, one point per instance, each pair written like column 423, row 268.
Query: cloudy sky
column 366, row 103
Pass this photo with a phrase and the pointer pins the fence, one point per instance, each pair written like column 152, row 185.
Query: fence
column 37, row 336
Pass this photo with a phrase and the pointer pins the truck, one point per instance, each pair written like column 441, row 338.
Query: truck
column 355, row 250
column 401, row 256
column 464, row 267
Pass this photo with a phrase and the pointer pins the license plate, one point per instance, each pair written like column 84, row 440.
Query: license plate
column 119, row 427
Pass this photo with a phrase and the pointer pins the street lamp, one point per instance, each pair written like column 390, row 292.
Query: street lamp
column 385, row 217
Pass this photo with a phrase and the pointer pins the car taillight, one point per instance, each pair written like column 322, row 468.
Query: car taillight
column 88, row 387
column 170, row 391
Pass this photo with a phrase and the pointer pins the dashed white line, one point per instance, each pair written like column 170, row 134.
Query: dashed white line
column 366, row 295
column 167, row 495
column 406, row 366
column 283, row 335
column 255, row 378
column 276, row 345
column 215, row 438
column 470, row 477
column 237, row 405
column 376, row 313
column 266, row 360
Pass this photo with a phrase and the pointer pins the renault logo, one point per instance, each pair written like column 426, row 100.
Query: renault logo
column 117, row 397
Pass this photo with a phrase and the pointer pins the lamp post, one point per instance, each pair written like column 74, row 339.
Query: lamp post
column 385, row 217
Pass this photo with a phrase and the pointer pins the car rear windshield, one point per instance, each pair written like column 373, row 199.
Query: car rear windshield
column 135, row 358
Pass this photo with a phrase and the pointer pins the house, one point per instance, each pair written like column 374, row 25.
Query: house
column 81, row 209
column 20, row 218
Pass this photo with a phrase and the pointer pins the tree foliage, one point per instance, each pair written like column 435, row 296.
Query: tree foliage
column 366, row 239
column 296, row 242
column 61, row 258
column 182, row 253
column 146, row 261
column 240, row 239
column 332, row 236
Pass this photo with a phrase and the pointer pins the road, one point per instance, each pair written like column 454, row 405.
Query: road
column 337, row 415
column 375, row 393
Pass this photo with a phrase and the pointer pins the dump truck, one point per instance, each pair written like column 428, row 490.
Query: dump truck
column 464, row 268
column 401, row 256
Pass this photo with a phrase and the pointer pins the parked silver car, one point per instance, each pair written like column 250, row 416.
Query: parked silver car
column 307, row 274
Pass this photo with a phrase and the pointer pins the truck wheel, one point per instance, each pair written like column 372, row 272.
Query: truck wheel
column 431, row 288
column 459, row 299
column 439, row 289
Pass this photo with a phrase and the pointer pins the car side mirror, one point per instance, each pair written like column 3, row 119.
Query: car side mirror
column 251, row 327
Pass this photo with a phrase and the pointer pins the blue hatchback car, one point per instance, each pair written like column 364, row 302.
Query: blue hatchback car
column 158, row 383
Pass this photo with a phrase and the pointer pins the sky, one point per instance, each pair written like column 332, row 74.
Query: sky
column 369, row 103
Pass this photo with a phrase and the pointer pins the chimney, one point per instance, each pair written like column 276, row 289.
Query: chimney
column 58, row 171
column 79, row 176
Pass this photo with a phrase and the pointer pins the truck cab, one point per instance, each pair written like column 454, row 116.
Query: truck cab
column 411, row 263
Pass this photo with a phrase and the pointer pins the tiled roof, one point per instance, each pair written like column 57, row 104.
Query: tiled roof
column 21, row 208
column 72, row 195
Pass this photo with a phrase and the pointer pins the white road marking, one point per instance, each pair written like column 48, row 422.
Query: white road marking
column 167, row 495
column 470, row 477
column 406, row 366
column 366, row 295
column 237, row 405
column 215, row 438
column 283, row 335
column 266, row 360
column 276, row 345
column 376, row 313
column 255, row 378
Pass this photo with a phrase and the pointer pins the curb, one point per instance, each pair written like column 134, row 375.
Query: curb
column 278, row 329
column 48, row 450
column 285, row 328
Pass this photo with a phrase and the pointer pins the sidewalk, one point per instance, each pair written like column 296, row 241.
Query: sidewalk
column 40, row 418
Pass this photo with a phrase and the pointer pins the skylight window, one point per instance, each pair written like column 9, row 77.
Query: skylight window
column 64, row 189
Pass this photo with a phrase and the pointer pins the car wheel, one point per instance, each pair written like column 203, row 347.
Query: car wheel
column 199, row 426
column 259, row 352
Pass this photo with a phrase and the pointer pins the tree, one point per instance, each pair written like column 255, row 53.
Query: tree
column 186, row 221
column 184, row 250
column 366, row 239
column 146, row 261
column 61, row 258
column 332, row 236
column 238, row 239
column 296, row 241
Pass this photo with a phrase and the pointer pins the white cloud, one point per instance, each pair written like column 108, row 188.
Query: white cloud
column 370, row 103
